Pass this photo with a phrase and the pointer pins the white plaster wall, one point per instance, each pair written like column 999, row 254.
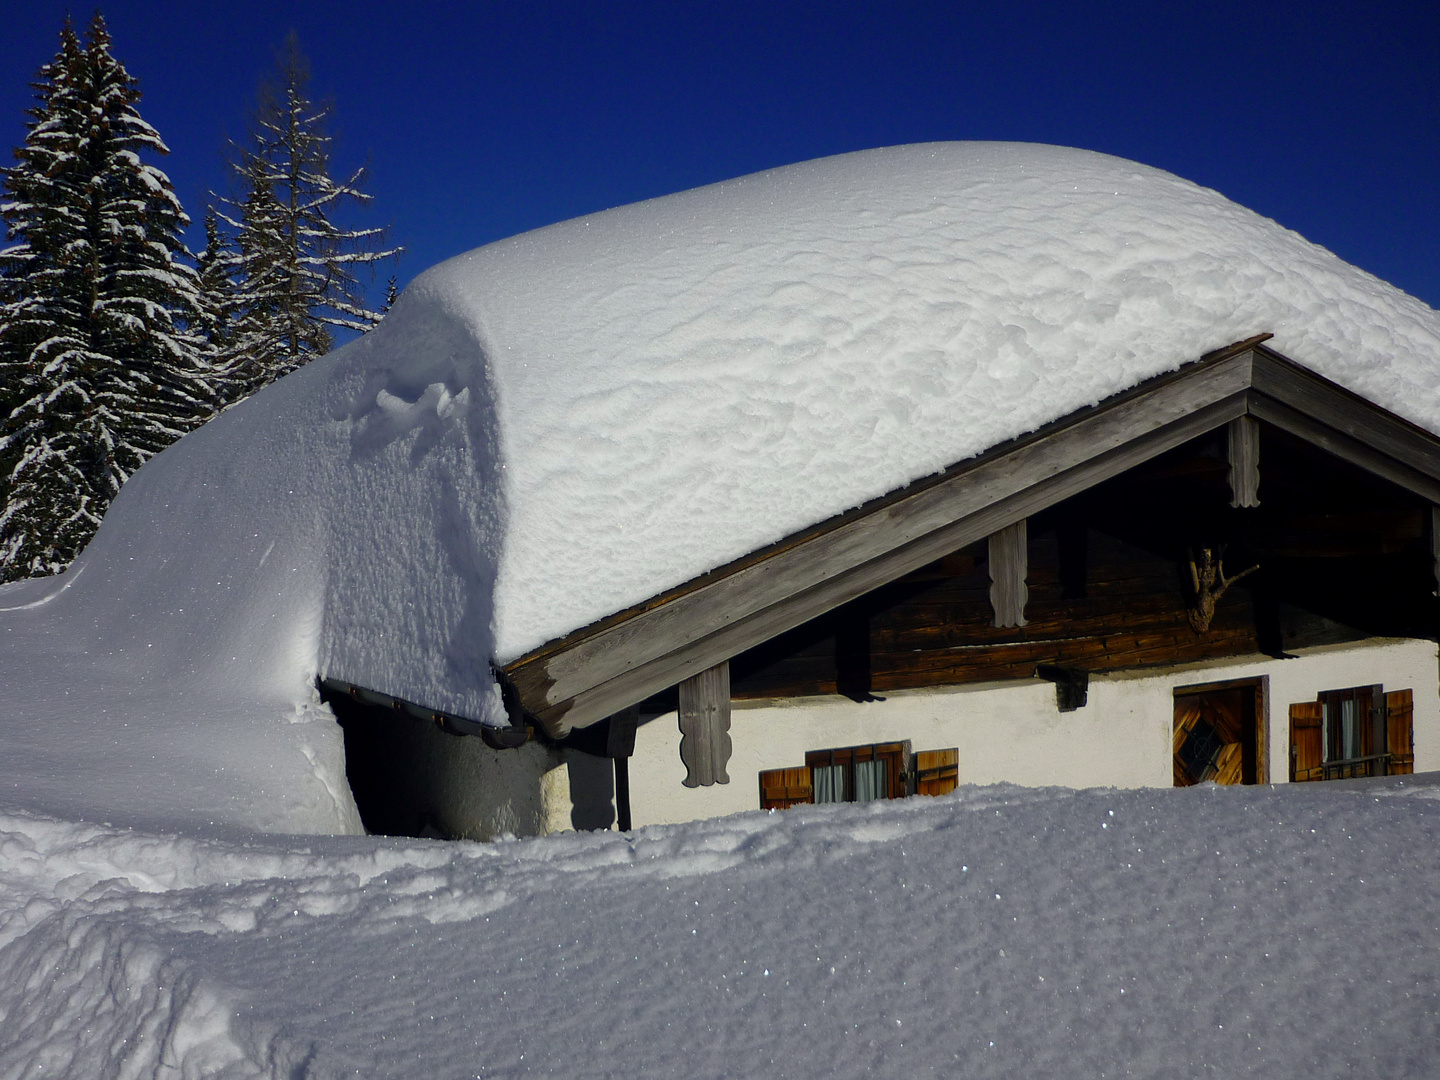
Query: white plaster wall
column 1013, row 731
column 476, row 793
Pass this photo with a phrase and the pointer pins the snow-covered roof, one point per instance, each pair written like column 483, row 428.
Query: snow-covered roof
column 685, row 380
column 563, row 424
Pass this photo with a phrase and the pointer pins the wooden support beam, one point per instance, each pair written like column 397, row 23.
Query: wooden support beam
column 1269, row 633
column 705, row 726
column 1435, row 544
column 852, row 652
column 1009, row 562
column 1244, row 461
column 1072, row 685
column 622, row 794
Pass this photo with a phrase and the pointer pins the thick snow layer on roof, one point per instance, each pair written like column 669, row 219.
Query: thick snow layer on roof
column 993, row 933
column 557, row 426
column 682, row 381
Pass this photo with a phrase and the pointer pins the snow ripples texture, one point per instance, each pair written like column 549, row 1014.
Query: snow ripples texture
column 997, row 932
column 683, row 381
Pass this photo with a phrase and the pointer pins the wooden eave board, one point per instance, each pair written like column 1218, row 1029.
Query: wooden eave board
column 610, row 665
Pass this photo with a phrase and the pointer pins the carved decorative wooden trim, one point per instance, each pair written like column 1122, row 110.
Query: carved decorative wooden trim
column 1009, row 561
column 705, row 726
column 1245, row 461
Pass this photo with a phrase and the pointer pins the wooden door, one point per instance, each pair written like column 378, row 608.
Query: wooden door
column 1216, row 735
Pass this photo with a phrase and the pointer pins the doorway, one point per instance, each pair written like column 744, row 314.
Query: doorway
column 1220, row 733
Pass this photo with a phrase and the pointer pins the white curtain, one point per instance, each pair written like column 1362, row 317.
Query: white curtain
column 1349, row 730
column 871, row 781
column 828, row 783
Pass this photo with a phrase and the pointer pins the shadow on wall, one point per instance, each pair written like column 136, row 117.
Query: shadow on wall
column 592, row 791
column 409, row 778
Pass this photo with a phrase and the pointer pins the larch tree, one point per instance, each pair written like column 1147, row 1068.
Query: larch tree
column 294, row 266
column 99, row 364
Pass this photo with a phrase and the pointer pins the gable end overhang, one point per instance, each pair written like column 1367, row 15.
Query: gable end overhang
column 614, row 663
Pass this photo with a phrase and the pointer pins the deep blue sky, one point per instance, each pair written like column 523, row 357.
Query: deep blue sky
column 481, row 120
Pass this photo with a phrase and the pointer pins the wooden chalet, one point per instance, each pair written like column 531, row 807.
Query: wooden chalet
column 1226, row 573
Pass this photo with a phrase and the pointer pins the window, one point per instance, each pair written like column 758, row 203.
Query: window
column 861, row 774
column 1358, row 731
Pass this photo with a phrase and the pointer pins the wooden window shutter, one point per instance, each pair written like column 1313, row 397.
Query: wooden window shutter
column 1400, row 707
column 780, row 788
column 1306, row 752
column 937, row 772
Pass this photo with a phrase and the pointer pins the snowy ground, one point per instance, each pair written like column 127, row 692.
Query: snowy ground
column 997, row 932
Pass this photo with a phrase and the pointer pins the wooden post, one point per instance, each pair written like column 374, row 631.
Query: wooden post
column 1009, row 557
column 1245, row 461
column 705, row 726
column 622, row 793
column 852, row 652
column 1435, row 544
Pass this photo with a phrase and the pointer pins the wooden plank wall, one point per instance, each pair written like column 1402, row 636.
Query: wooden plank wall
column 935, row 626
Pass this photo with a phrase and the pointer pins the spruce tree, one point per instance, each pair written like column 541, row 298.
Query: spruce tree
column 99, row 366
column 216, row 315
column 294, row 267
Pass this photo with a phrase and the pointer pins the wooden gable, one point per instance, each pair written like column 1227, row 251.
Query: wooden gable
column 624, row 659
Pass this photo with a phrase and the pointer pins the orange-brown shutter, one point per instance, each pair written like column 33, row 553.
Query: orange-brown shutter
column 937, row 772
column 1306, row 751
column 1400, row 709
column 780, row 788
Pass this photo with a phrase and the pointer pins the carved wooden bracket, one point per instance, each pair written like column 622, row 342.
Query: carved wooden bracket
column 1009, row 555
column 705, row 726
column 1244, row 454
column 1208, row 584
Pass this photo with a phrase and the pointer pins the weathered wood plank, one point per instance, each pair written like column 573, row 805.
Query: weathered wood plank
column 1244, row 447
column 1345, row 412
column 1334, row 441
column 1009, row 558
column 705, row 726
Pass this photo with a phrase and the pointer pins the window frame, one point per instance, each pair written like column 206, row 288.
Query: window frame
column 895, row 755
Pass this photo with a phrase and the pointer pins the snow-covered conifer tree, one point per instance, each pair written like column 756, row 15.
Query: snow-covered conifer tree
column 217, row 290
column 294, row 267
column 99, row 365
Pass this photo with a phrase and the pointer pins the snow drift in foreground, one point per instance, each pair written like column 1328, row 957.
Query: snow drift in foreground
column 556, row 426
column 1286, row 932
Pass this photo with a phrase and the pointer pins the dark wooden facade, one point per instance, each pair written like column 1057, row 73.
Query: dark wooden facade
column 1338, row 555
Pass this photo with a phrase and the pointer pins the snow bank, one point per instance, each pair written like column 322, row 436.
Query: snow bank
column 554, row 427
column 996, row 932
